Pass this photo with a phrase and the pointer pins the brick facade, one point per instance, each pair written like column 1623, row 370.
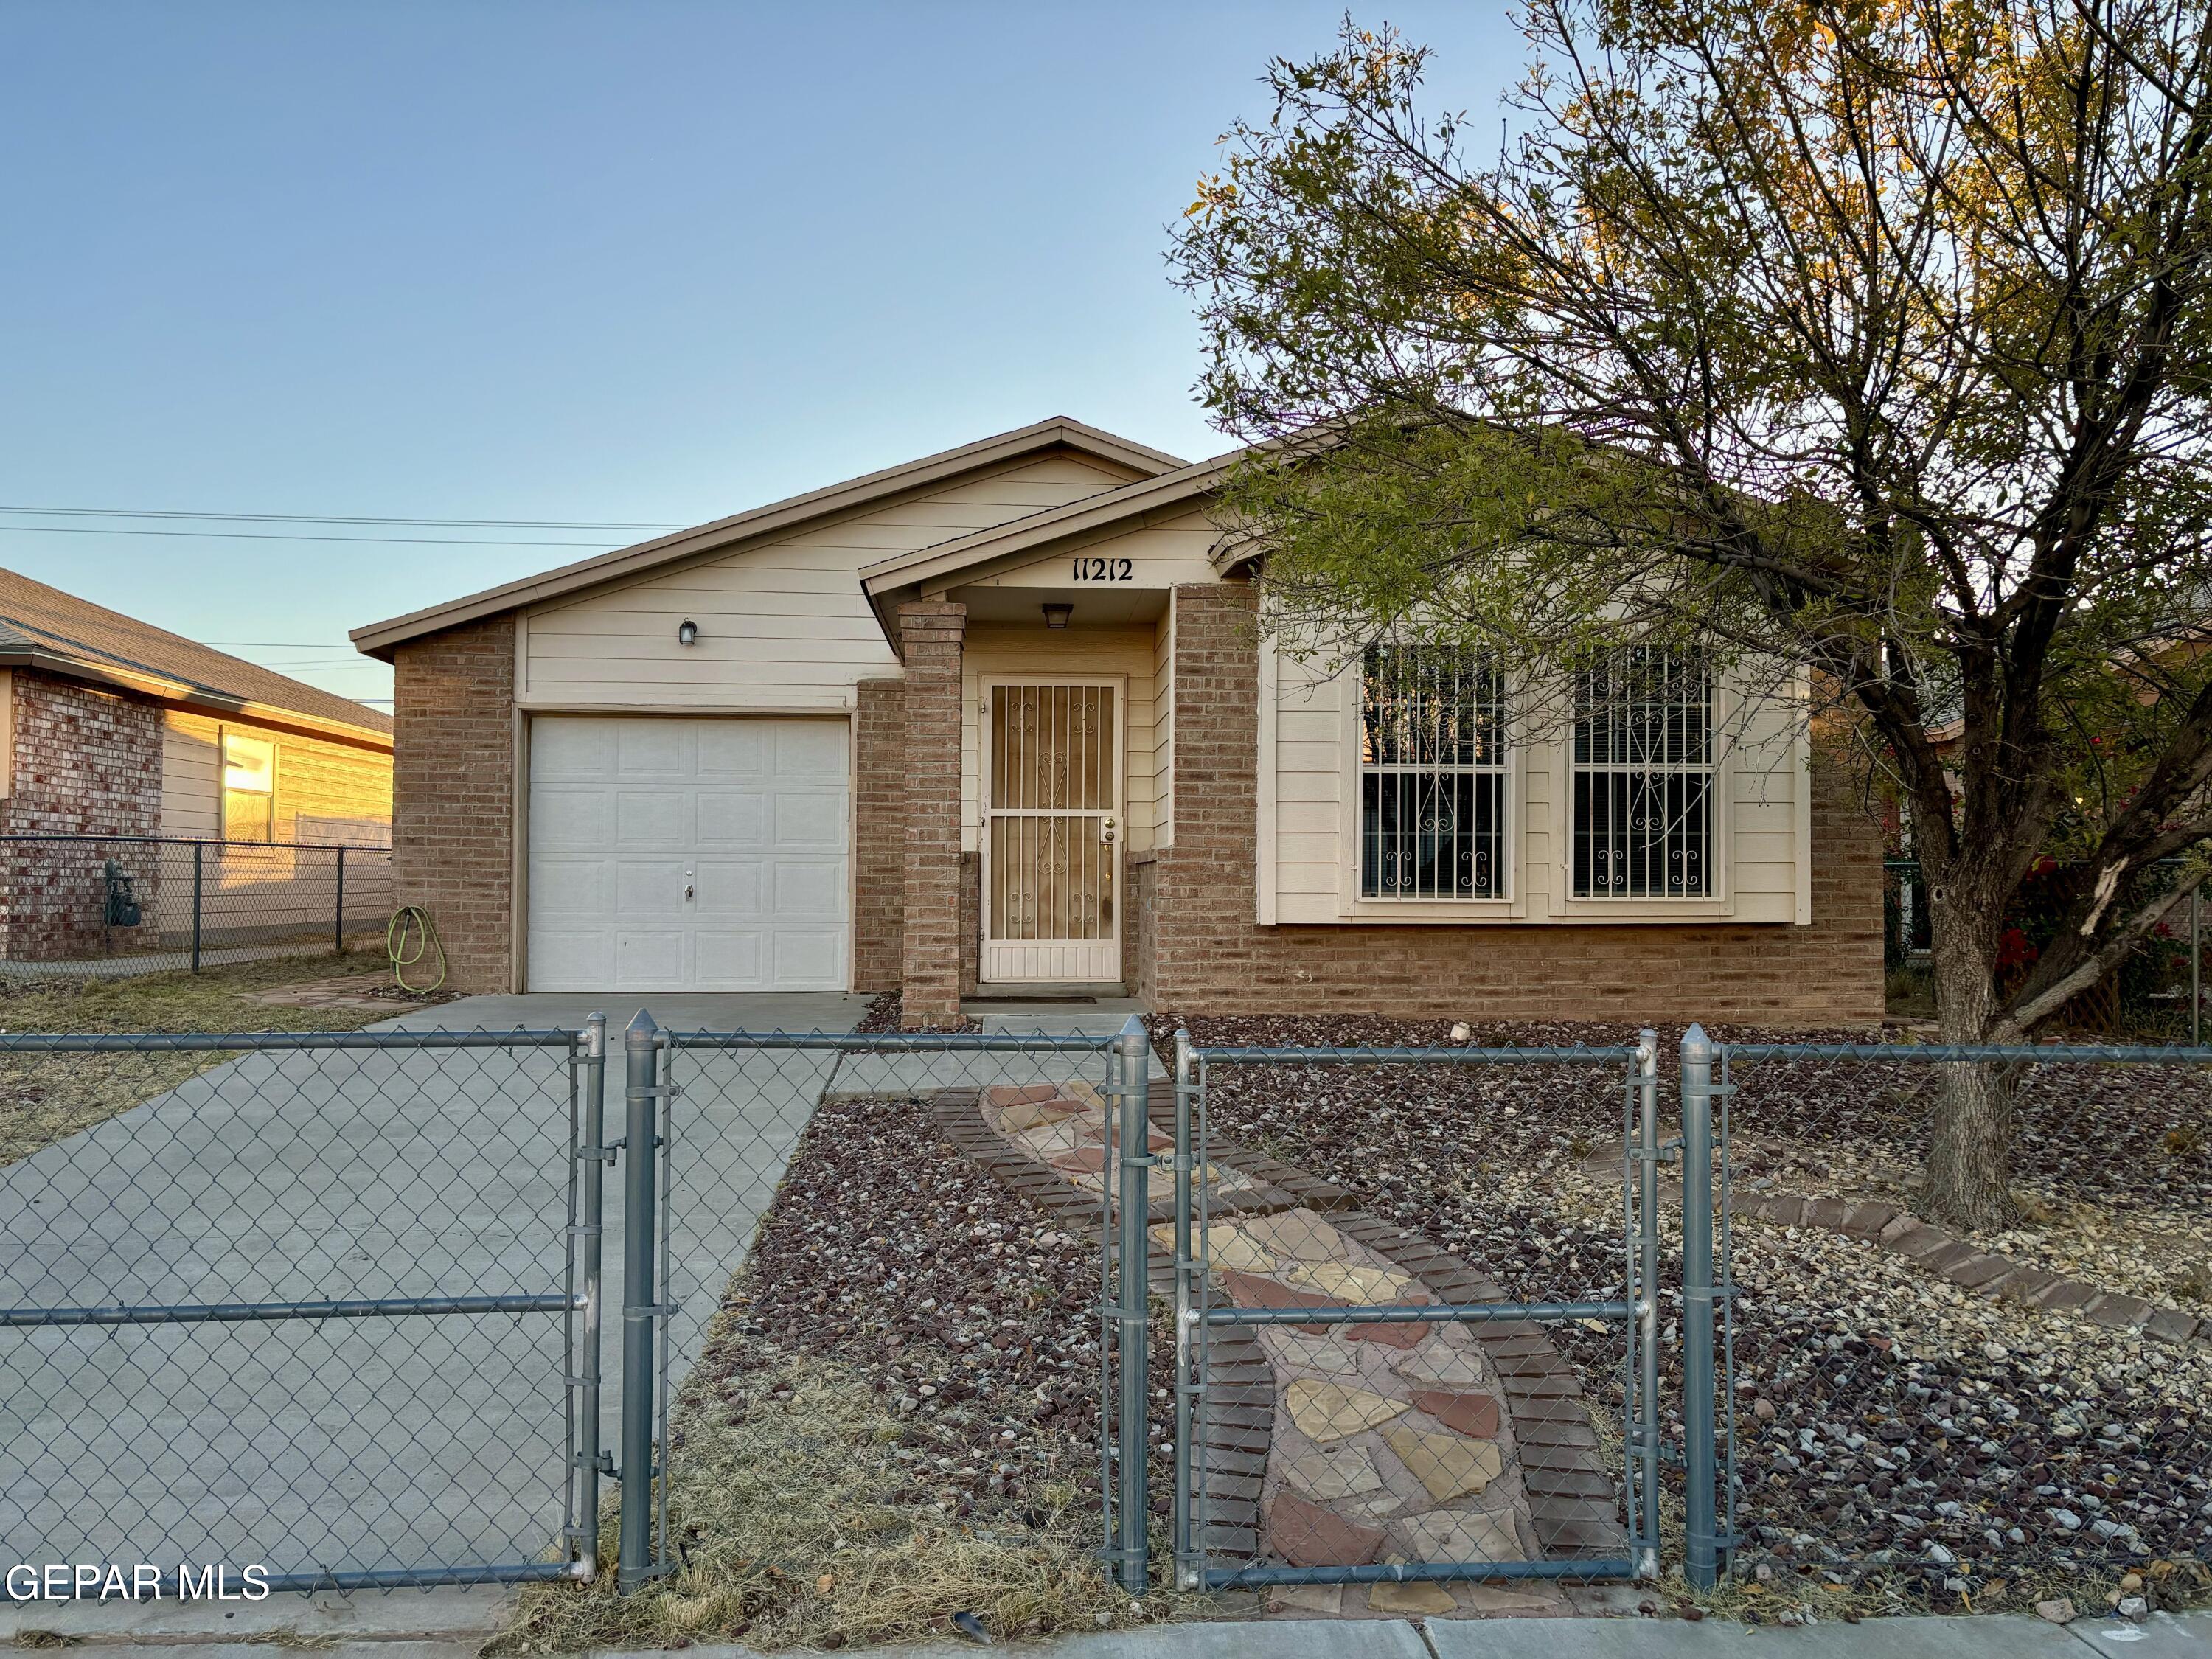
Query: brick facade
column 452, row 795
column 878, row 833
column 1209, row 955
column 87, row 762
column 931, row 944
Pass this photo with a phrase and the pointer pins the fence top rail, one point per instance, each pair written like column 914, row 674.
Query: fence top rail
column 1942, row 1053
column 1232, row 1054
column 85, row 1042
column 926, row 1043
column 201, row 841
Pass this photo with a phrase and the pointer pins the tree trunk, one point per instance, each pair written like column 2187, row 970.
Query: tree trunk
column 1969, row 1165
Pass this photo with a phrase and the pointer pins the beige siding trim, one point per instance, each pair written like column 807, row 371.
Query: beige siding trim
column 783, row 626
column 1117, row 456
column 7, row 733
column 1270, row 697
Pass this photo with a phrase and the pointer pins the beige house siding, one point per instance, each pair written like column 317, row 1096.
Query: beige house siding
column 783, row 624
column 326, row 793
column 1762, row 870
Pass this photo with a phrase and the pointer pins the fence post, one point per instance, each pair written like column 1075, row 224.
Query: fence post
column 1645, row 1523
column 199, row 850
column 1132, row 1552
column 1183, row 1521
column 591, row 1218
column 338, row 920
column 642, row 1099
column 1701, row 1553
column 2196, row 965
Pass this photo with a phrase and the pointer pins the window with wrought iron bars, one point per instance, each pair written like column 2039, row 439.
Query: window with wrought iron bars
column 1432, row 775
column 1644, row 777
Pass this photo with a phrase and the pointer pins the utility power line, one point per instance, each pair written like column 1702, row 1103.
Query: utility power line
column 322, row 517
column 279, row 536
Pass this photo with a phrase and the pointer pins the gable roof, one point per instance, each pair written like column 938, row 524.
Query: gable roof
column 945, row 559
column 57, row 633
column 382, row 639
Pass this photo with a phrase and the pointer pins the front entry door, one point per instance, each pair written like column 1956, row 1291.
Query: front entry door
column 1052, row 833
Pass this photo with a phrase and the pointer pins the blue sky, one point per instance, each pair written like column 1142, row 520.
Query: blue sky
column 644, row 262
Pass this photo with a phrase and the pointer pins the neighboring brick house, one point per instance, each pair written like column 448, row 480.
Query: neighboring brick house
column 1009, row 718
column 121, row 741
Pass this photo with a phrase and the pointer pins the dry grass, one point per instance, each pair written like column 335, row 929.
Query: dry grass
column 45, row 1098
column 787, row 1504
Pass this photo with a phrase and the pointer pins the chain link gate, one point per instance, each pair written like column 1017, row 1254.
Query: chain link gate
column 1353, row 1405
column 337, row 1291
column 713, row 1119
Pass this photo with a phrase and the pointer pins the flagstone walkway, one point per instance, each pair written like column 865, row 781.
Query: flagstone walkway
column 1338, row 1444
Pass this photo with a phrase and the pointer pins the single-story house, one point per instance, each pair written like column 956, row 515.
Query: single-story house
column 1005, row 718
column 120, row 742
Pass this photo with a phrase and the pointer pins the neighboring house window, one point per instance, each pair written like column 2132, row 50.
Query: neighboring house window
column 1644, row 777
column 249, row 788
column 1432, row 767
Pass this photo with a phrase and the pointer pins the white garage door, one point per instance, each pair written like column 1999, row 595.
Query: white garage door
column 687, row 855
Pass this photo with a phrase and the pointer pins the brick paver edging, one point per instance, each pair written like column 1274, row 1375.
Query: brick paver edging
column 1944, row 1253
column 1563, row 1474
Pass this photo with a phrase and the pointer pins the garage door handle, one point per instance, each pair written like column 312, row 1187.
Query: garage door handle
column 687, row 890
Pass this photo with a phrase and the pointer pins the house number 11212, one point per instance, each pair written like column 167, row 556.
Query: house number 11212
column 1103, row 570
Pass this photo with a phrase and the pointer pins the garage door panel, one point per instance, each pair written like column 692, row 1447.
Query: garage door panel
column 579, row 956
column 659, row 819
column 736, row 820
column 751, row 812
column 571, row 889
column 734, row 959
column 652, row 958
column 808, row 821
column 733, row 890
column 566, row 817
column 811, row 751
column 572, row 749
column 809, row 892
column 656, row 749
column 649, row 888
column 737, row 751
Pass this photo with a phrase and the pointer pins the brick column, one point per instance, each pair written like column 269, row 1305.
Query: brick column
column 879, row 833
column 1203, row 935
column 930, row 948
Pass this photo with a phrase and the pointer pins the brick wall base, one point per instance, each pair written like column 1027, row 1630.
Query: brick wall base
column 452, row 796
column 87, row 762
column 878, row 833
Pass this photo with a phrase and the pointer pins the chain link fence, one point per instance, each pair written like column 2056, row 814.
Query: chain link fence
column 1964, row 1411
column 311, row 1302
column 79, row 907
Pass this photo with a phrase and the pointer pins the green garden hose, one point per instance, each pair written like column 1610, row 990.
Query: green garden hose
column 408, row 938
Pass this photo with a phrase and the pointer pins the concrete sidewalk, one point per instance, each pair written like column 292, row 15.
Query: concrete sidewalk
column 453, row 1624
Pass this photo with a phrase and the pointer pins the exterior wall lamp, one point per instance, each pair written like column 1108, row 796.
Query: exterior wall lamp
column 1056, row 615
column 687, row 632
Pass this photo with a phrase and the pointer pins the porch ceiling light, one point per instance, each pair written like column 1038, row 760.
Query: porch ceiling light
column 1056, row 615
column 687, row 632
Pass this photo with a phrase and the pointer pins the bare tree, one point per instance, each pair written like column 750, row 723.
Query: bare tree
column 1869, row 338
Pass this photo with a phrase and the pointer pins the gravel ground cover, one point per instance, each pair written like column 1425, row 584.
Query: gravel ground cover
column 885, row 1012
column 1889, row 1419
column 894, row 1421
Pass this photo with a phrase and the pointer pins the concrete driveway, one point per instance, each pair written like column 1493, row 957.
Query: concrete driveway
column 348, row 1444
